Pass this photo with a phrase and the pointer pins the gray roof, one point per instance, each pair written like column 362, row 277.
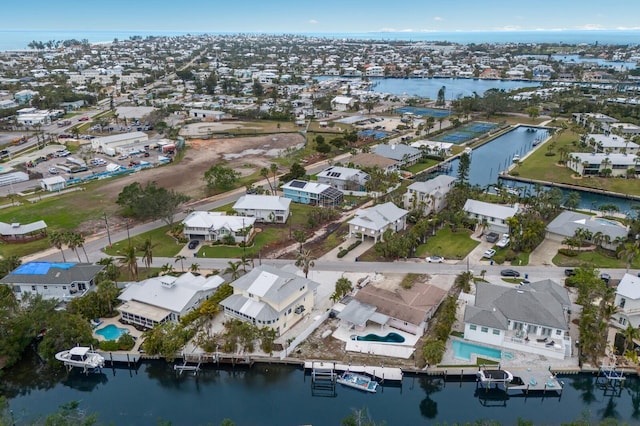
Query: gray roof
column 252, row 308
column 52, row 273
column 567, row 222
column 379, row 216
column 440, row 183
column 272, row 284
column 357, row 313
column 542, row 303
column 262, row 202
column 396, row 152
column 20, row 229
column 489, row 209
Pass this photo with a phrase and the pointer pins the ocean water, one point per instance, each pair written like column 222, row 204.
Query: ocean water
column 19, row 39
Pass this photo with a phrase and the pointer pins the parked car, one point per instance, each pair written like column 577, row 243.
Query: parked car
column 193, row 244
column 53, row 171
column 83, row 119
column 492, row 237
column 569, row 272
column 605, row 277
column 504, row 241
column 435, row 259
column 509, row 273
column 489, row 253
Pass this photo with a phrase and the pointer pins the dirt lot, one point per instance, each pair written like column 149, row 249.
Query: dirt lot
column 247, row 155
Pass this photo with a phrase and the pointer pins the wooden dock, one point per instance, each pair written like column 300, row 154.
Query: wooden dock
column 379, row 372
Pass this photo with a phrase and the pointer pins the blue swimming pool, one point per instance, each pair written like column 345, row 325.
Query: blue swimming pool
column 607, row 222
column 389, row 338
column 463, row 350
column 111, row 332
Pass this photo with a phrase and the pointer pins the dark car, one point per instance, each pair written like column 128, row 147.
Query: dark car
column 193, row 244
column 569, row 272
column 492, row 237
column 509, row 273
column 605, row 277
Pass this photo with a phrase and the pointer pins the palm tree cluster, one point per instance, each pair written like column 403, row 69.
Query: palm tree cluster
column 73, row 240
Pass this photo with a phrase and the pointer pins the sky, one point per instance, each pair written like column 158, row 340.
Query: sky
column 321, row 16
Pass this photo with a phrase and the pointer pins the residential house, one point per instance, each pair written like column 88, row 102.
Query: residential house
column 344, row 178
column 611, row 143
column 530, row 318
column 627, row 302
column 208, row 115
column 264, row 208
column 313, row 193
column 374, row 221
column 603, row 232
column 443, row 149
column 428, row 196
column 589, row 164
column 167, row 298
column 270, row 297
column 52, row 280
column 20, row 233
column 492, row 216
column 53, row 183
column 216, row 226
column 369, row 159
column 404, row 155
column 24, row 96
column 342, row 103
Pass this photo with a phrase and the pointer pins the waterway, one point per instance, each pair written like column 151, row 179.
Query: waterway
column 454, row 87
column 282, row 395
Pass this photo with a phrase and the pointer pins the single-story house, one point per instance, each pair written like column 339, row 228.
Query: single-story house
column 17, row 232
column 442, row 149
column 404, row 155
column 585, row 164
column 627, row 302
column 368, row 159
column 216, row 226
column 52, row 280
column 604, row 232
column 265, row 208
column 344, row 178
column 109, row 144
column 270, row 297
column 430, row 195
column 530, row 318
column 342, row 103
column 492, row 216
column 374, row 221
column 317, row 194
column 166, row 298
column 53, row 183
column 208, row 115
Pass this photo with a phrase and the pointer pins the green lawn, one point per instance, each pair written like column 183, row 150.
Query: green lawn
column 422, row 165
column 260, row 240
column 166, row 246
column 450, row 245
column 597, row 259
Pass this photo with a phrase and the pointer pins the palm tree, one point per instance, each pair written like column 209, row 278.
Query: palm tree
column 305, row 260
column 244, row 261
column 181, row 259
column 629, row 252
column 166, row 269
column 147, row 252
column 57, row 239
column 194, row 268
column 110, row 271
column 630, row 334
column 274, row 171
column 71, row 238
column 233, row 269
column 80, row 240
column 264, row 172
column 130, row 260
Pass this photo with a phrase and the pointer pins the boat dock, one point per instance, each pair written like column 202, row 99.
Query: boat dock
column 536, row 380
column 379, row 372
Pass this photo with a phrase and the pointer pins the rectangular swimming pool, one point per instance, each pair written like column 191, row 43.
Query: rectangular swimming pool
column 463, row 350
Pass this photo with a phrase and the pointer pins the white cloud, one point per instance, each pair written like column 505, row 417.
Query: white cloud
column 508, row 28
column 313, row 21
column 395, row 30
column 438, row 18
column 590, row 27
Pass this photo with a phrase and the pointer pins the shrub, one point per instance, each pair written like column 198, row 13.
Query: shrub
column 109, row 345
column 510, row 255
column 342, row 253
column 549, row 154
column 499, row 258
column 568, row 252
column 514, row 173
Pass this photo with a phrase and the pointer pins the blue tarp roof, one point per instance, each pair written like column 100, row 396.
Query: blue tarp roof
column 41, row 268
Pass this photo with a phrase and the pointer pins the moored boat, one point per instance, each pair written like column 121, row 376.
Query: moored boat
column 494, row 376
column 357, row 381
column 81, row 356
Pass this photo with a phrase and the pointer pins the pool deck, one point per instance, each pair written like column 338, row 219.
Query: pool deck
column 379, row 372
column 396, row 350
column 114, row 321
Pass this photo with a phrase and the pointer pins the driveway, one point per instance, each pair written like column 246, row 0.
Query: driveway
column 544, row 253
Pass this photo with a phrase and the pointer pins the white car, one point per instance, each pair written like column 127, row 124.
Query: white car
column 489, row 253
column 504, row 241
column 53, row 171
column 435, row 259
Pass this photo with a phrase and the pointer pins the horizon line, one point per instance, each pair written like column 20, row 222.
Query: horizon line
column 380, row 31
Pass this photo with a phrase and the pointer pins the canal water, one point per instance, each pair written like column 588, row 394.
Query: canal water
column 282, row 395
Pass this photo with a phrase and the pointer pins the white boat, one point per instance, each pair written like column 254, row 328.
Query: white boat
column 494, row 376
column 516, row 158
column 357, row 381
column 81, row 356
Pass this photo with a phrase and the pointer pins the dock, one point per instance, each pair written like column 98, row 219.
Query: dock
column 379, row 372
column 525, row 380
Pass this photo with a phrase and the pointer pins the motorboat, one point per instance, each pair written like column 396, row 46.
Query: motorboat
column 516, row 158
column 81, row 356
column 357, row 381
column 494, row 376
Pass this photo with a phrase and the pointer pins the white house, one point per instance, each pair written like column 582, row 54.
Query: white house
column 586, row 164
column 404, row 155
column 529, row 318
column 23, row 232
column 166, row 298
column 264, row 208
column 430, row 195
column 442, row 149
column 53, row 183
column 271, row 297
column 52, row 280
column 207, row 114
column 344, row 178
column 611, row 143
column 492, row 216
column 216, row 226
column 374, row 221
column 342, row 103
column 627, row 302
column 374, row 71
column 604, row 232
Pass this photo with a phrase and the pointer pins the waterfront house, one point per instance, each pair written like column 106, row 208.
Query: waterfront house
column 492, row 216
column 615, row 164
column 52, row 280
column 369, row 160
column 530, row 318
column 404, row 155
column 264, row 208
column 342, row 103
column 627, row 302
column 344, row 178
column 166, row 298
column 270, row 297
column 313, row 193
column 20, row 233
column 611, row 143
column 216, row 226
column 374, row 221
column 442, row 149
column 430, row 195
column 603, row 232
